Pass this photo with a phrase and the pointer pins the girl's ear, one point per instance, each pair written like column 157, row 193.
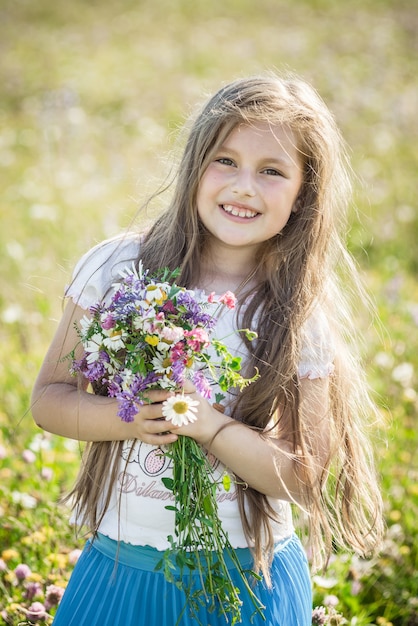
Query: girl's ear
column 297, row 204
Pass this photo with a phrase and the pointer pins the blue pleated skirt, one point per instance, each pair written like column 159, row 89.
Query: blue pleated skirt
column 114, row 584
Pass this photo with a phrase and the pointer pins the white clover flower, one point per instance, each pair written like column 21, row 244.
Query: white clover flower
column 403, row 374
column 180, row 410
column 26, row 500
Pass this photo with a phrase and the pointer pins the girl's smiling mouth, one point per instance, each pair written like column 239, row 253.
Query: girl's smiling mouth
column 238, row 211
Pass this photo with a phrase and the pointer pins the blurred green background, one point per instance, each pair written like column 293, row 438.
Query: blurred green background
column 92, row 95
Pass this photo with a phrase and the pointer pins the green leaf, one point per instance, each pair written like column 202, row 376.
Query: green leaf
column 168, row 482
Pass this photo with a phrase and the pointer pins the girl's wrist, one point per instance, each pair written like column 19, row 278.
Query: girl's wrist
column 216, row 423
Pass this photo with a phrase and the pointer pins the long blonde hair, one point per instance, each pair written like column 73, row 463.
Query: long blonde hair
column 300, row 270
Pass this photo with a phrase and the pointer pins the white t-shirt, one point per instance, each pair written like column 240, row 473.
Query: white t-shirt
column 137, row 512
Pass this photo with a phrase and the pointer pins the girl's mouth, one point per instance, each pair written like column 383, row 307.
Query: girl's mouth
column 239, row 211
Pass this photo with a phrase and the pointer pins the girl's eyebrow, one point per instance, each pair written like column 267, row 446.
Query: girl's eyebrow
column 284, row 160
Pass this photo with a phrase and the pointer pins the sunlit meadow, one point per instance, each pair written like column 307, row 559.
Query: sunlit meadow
column 92, row 95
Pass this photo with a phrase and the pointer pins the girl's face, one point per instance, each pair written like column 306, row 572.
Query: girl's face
column 247, row 193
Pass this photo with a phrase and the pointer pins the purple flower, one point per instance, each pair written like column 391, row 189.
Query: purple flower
column 141, row 383
column 53, row 596
column 202, row 385
column 194, row 312
column 177, row 371
column 32, row 589
column 36, row 612
column 127, row 407
column 319, row 616
column 114, row 386
column 22, row 571
column 108, row 322
column 130, row 400
column 78, row 366
column 96, row 370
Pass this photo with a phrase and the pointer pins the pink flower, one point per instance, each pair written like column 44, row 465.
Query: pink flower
column 211, row 297
column 331, row 600
column 36, row 612
column 178, row 353
column 108, row 322
column 47, row 473
column 28, row 456
column 197, row 339
column 202, row 385
column 229, row 299
column 169, row 307
column 172, row 334
column 22, row 571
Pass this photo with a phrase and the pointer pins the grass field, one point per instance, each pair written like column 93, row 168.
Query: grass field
column 92, row 94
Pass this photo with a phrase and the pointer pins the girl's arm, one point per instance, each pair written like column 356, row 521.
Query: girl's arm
column 61, row 405
column 265, row 463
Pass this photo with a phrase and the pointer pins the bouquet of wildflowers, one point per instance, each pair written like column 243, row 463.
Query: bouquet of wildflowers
column 155, row 335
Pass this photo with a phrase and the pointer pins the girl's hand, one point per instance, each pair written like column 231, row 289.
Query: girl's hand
column 149, row 424
column 208, row 421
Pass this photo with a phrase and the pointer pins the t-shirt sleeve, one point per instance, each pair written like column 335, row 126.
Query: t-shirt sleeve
column 318, row 349
column 99, row 269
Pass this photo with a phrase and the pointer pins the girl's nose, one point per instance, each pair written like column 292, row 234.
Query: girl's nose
column 243, row 183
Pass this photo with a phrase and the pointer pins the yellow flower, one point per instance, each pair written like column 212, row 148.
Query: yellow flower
column 48, row 531
column 395, row 515
column 153, row 340
column 34, row 538
column 35, row 577
column 57, row 560
column 61, row 583
column 9, row 554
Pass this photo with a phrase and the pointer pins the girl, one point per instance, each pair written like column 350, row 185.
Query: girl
column 256, row 209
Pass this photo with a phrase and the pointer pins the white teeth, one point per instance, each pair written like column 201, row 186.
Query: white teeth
column 233, row 210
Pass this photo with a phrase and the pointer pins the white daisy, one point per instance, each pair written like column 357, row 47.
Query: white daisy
column 93, row 347
column 161, row 363
column 114, row 341
column 180, row 410
column 85, row 324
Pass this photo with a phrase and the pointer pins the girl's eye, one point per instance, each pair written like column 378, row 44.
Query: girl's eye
column 272, row 172
column 225, row 161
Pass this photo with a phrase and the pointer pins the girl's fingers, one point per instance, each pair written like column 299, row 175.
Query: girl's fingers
column 156, row 395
